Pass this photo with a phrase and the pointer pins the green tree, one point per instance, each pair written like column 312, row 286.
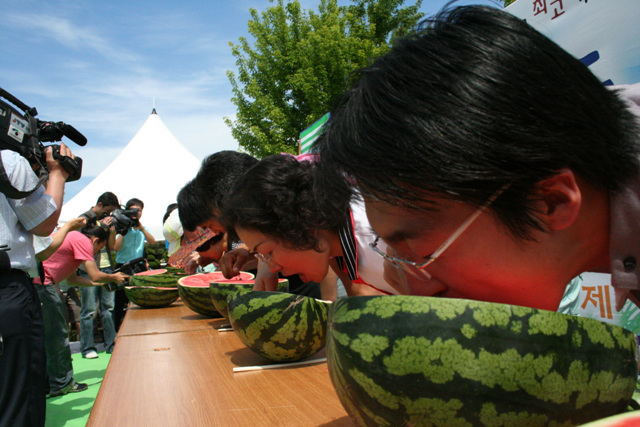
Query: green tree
column 300, row 61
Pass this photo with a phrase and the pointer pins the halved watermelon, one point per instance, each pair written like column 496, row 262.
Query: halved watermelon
column 222, row 290
column 151, row 296
column 279, row 326
column 159, row 277
column 194, row 291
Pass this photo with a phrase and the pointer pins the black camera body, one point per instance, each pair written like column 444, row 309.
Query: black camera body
column 129, row 268
column 125, row 219
column 24, row 134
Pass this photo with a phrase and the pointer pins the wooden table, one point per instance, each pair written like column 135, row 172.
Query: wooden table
column 171, row 367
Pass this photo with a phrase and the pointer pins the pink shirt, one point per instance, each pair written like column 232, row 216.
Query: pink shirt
column 76, row 248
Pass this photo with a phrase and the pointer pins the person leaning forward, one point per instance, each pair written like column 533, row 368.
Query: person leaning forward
column 492, row 162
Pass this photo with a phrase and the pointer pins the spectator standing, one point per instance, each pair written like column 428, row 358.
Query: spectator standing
column 22, row 362
column 92, row 296
column 129, row 247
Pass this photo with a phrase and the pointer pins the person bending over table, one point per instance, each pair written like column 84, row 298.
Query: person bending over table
column 273, row 210
column 492, row 162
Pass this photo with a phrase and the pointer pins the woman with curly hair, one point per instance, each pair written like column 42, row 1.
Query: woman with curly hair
column 273, row 210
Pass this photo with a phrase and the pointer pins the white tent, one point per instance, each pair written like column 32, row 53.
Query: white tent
column 153, row 167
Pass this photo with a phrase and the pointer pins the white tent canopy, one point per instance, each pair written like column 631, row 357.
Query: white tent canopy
column 153, row 167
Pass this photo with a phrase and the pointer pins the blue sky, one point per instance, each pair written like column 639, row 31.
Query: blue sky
column 101, row 65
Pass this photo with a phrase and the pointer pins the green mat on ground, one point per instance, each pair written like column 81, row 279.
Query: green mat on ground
column 73, row 409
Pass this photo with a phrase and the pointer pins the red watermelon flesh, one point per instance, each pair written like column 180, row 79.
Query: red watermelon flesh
column 203, row 280
column 627, row 419
column 152, row 272
column 195, row 293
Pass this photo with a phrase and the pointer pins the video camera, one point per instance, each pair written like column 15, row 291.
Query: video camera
column 24, row 134
column 129, row 268
column 125, row 219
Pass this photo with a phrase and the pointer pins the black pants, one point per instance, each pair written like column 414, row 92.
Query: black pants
column 23, row 369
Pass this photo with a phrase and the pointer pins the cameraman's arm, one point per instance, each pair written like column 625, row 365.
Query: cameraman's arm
column 59, row 236
column 118, row 245
column 55, row 189
column 111, row 242
column 98, row 276
column 147, row 235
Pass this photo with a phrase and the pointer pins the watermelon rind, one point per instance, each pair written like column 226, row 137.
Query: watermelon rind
column 195, row 293
column 151, row 296
column 220, row 291
column 162, row 279
column 281, row 327
column 411, row 360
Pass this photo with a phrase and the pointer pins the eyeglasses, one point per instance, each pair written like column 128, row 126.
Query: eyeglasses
column 262, row 257
column 418, row 269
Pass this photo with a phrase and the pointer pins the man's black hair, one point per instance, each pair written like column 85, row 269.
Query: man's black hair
column 172, row 207
column 134, row 202
column 476, row 99
column 276, row 197
column 108, row 199
column 201, row 198
column 192, row 210
column 96, row 231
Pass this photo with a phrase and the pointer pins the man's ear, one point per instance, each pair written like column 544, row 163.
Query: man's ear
column 560, row 199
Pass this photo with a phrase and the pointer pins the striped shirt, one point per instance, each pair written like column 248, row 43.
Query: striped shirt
column 359, row 261
column 17, row 216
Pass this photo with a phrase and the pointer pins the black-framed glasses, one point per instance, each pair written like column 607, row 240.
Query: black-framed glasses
column 418, row 269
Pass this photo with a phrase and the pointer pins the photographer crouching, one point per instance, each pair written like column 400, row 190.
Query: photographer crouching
column 129, row 246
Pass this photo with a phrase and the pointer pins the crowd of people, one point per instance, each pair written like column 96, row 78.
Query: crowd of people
column 477, row 159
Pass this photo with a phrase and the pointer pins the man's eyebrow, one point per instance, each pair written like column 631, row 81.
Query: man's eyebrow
column 398, row 235
column 255, row 248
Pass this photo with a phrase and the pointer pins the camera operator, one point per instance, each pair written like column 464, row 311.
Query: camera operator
column 99, row 215
column 129, row 246
column 22, row 363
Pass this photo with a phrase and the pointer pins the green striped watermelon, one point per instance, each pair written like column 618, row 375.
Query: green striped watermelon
column 220, row 290
column 410, row 360
column 159, row 277
column 279, row 326
column 151, row 296
column 195, row 293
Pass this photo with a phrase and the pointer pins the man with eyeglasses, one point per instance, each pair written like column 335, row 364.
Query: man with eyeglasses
column 494, row 164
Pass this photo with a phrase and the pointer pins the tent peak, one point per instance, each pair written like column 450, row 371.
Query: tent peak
column 154, row 111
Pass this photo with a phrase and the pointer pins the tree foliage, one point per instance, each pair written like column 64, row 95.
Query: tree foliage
column 299, row 62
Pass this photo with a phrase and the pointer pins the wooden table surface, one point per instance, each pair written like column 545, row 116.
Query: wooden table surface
column 172, row 367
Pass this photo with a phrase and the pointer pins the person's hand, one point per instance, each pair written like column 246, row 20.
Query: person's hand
column 265, row 279
column 191, row 263
column 231, row 262
column 409, row 284
column 396, row 278
column 53, row 165
column 76, row 223
column 108, row 220
column 110, row 223
column 120, row 277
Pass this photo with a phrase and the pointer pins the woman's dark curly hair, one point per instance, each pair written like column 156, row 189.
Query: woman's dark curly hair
column 275, row 197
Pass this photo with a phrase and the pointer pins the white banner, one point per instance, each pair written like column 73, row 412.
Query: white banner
column 604, row 34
